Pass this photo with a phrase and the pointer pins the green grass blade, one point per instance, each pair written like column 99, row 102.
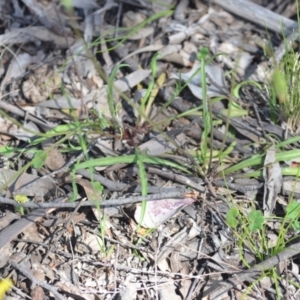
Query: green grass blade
column 250, row 162
column 289, row 141
column 109, row 161
column 110, row 92
column 258, row 159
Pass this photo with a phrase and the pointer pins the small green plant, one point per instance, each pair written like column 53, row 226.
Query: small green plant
column 250, row 231
column 146, row 101
column 111, row 94
column 286, row 87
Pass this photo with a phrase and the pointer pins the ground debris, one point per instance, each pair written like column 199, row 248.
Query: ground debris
column 107, row 191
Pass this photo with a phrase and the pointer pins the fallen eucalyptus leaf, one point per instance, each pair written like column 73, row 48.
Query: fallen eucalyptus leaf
column 216, row 85
column 160, row 211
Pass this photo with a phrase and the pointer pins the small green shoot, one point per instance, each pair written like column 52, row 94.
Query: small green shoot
column 248, row 227
column 250, row 230
column 207, row 115
column 285, row 91
column 110, row 94
column 147, row 101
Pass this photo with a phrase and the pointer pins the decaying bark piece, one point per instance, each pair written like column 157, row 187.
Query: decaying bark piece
column 259, row 15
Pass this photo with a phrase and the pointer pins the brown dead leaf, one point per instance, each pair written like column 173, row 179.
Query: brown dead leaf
column 41, row 84
column 34, row 34
column 55, row 160
column 273, row 181
column 19, row 64
column 7, row 219
column 16, row 181
column 75, row 219
column 6, row 252
column 49, row 15
column 37, row 293
column 73, row 290
column 86, row 4
column 133, row 18
column 31, row 233
column 7, row 129
column 91, row 193
column 93, row 241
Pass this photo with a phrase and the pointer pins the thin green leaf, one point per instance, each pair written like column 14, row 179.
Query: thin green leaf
column 289, row 141
column 108, row 161
column 98, row 187
column 236, row 90
column 39, row 159
column 110, row 91
column 258, row 159
column 293, row 210
column 146, row 97
column 250, row 162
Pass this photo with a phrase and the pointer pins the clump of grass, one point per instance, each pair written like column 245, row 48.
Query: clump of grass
column 285, row 88
column 250, row 230
column 285, row 103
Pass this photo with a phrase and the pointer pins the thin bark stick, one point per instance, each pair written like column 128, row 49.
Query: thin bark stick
column 35, row 281
column 259, row 15
column 252, row 272
column 12, row 231
column 113, row 202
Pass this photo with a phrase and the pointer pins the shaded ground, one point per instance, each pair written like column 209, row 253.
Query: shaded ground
column 74, row 126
